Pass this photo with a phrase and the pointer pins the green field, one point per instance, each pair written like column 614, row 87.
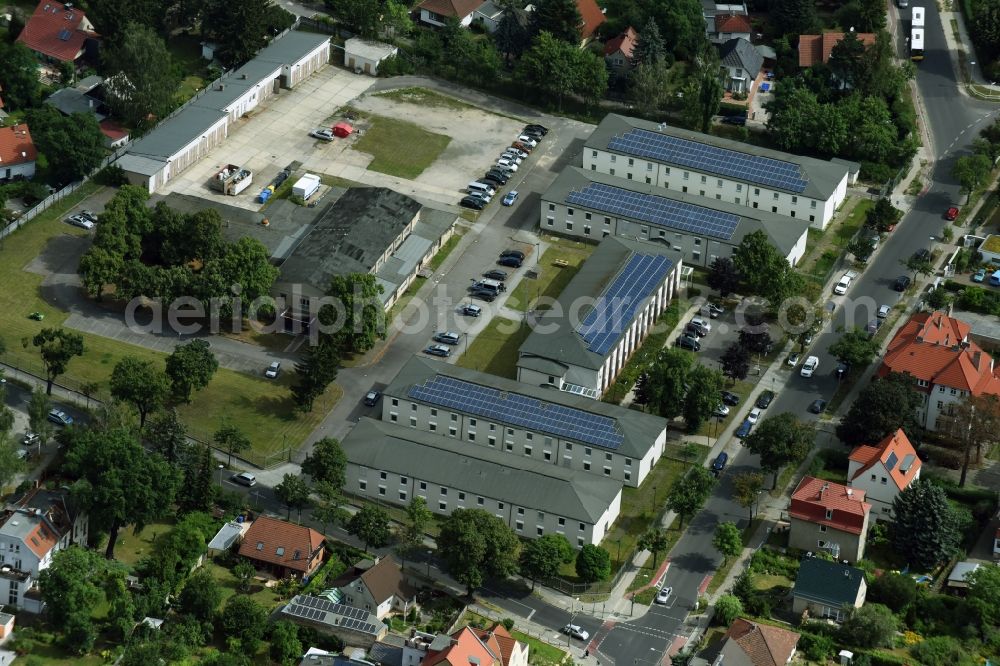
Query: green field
column 263, row 409
column 552, row 278
column 495, row 348
column 400, row 148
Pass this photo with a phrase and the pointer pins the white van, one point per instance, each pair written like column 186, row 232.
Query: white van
column 492, row 285
column 477, row 186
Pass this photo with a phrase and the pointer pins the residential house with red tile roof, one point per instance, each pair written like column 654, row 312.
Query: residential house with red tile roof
column 829, row 516
column 817, row 48
column 945, row 363
column 282, row 548
column 380, row 589
column 619, row 51
column 34, row 528
column 58, row 32
column 435, row 12
column 747, row 643
column 481, row 647
column 729, row 26
column 17, row 152
column 883, row 471
column 592, row 17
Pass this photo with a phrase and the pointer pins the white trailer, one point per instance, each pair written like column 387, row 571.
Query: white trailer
column 918, row 18
column 306, row 186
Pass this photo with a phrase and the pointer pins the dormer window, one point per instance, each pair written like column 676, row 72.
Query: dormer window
column 829, row 514
column 279, row 551
column 260, row 545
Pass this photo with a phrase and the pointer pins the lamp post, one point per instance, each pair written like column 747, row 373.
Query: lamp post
column 428, row 564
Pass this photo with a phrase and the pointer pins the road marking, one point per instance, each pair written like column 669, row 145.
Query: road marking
column 531, row 614
column 704, row 584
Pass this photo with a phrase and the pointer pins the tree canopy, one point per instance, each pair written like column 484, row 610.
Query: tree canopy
column 728, row 540
column 593, row 563
column 855, row 348
column 190, row 367
column 884, row 406
column 327, row 463
column 689, row 492
column 57, row 347
column 73, row 145
column 371, row 525
column 475, row 544
column 141, row 78
column 138, row 383
column 780, row 440
column 19, row 76
column 559, row 18
column 924, row 525
column 542, row 557
column 557, row 68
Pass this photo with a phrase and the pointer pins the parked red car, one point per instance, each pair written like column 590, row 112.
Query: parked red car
column 951, row 214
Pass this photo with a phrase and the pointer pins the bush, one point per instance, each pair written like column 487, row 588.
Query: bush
column 894, row 590
column 875, row 172
column 943, row 457
column 816, row 646
column 508, row 623
column 770, row 562
column 111, row 176
column 940, row 651
column 727, row 609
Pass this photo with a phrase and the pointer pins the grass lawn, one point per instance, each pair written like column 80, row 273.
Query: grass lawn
column 228, row 585
column 400, row 148
column 723, row 571
column 446, row 249
column 495, row 349
column 132, row 547
column 643, row 356
column 540, row 653
column 552, row 279
column 263, row 409
column 188, row 87
column 765, row 582
column 824, row 248
column 335, row 181
column 713, row 427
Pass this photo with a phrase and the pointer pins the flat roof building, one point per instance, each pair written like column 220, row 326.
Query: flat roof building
column 394, row 463
column 714, row 167
column 525, row 422
column 601, row 317
column 593, row 205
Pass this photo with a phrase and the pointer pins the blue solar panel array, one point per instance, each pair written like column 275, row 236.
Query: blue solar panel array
column 891, row 461
column 656, row 210
column 520, row 410
column 614, row 310
column 710, row 159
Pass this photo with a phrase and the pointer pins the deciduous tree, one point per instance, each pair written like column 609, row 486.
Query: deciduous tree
column 11, row 463
column 797, row 17
column 973, row 425
column 897, row 591
column 971, row 171
column 232, row 440
column 244, row 572
column 293, row 492
column 559, row 18
column 855, row 348
column 689, row 492
column 702, row 398
column 245, row 620
column 727, row 609
column 327, row 463
column 780, row 440
column 728, row 540
column 19, row 77
column 371, row 525
column 883, row 407
column 140, row 75
column 593, row 563
column 667, row 382
column 73, row 145
column 542, row 557
column 872, row 625
column 735, row 362
column 71, row 584
column 649, row 86
column 924, row 525
column 475, row 544
column 200, row 596
column 747, row 487
column 314, row 372
column 141, row 385
column 984, row 590
column 418, row 518
column 759, row 262
column 361, row 322
column 723, row 276
column 655, row 541
column 286, row 648
column 57, row 347
column 166, row 435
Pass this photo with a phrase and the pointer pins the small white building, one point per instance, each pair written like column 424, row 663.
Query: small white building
column 990, row 249
column 363, row 55
column 883, row 471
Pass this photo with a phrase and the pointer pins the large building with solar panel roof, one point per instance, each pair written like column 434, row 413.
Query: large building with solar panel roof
column 593, row 205
column 677, row 159
column 524, row 422
column 393, row 463
column 601, row 317
column 354, row 626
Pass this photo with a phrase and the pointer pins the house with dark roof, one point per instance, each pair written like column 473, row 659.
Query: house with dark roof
column 684, row 161
column 381, row 589
column 524, row 421
column 283, row 548
column 35, row 526
column 741, row 65
column 591, row 205
column 59, row 32
column 817, row 48
column 436, row 12
column 825, row 515
column 87, row 96
column 619, row 52
column 825, row 588
column 747, row 643
column 624, row 285
column 393, row 463
column 883, row 471
column 17, row 152
column 945, row 363
column 366, row 230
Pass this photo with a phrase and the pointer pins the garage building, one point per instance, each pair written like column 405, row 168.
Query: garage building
column 365, row 56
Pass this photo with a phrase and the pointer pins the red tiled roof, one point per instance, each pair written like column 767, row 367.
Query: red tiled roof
column 732, row 23
column 813, row 497
column 498, row 640
column 817, row 48
column 592, row 16
column 764, row 644
column 457, row 8
column 41, row 540
column 897, row 444
column 935, row 348
column 278, row 542
column 16, row 146
column 112, row 130
column 466, row 648
column 56, row 31
column 624, row 42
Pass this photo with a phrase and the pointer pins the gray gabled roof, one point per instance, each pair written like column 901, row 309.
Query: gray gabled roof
column 739, row 52
column 558, row 339
column 71, row 100
column 640, row 431
column 175, row 133
column 476, row 469
column 830, row 583
column 822, row 176
column 783, row 232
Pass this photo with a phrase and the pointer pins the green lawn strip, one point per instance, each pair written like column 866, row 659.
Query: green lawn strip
column 495, row 348
column 539, row 652
column 400, row 148
column 335, row 181
column 263, row 409
column 723, row 571
column 446, row 249
column 187, row 88
column 552, row 279
column 425, row 98
column 824, row 248
column 643, row 356
column 646, row 596
column 644, row 576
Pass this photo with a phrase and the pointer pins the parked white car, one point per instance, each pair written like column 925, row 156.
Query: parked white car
column 845, row 283
column 527, row 140
column 754, row 415
column 809, row 367
column 510, row 165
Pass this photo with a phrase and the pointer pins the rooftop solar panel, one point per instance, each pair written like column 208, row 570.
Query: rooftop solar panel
column 517, row 409
column 657, row 210
column 891, row 461
column 907, row 462
column 710, row 159
column 614, row 310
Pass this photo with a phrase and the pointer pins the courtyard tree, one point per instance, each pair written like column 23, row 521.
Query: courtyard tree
column 924, row 525
column 371, row 525
column 593, row 564
column 780, row 440
column 542, row 557
column 475, row 544
column 728, row 540
column 190, row 367
column 667, row 379
column 57, row 347
column 138, row 383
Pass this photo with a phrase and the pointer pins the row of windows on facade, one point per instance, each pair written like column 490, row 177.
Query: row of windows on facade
column 923, row 383
column 443, row 505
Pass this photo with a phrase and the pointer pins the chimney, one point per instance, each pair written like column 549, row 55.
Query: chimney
column 850, row 492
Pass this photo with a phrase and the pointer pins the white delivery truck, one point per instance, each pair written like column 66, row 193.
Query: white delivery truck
column 306, row 186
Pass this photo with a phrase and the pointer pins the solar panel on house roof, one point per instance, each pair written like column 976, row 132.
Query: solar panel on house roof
column 616, row 307
column 656, row 210
column 65, row 34
column 907, row 462
column 710, row 159
column 891, row 461
column 520, row 410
